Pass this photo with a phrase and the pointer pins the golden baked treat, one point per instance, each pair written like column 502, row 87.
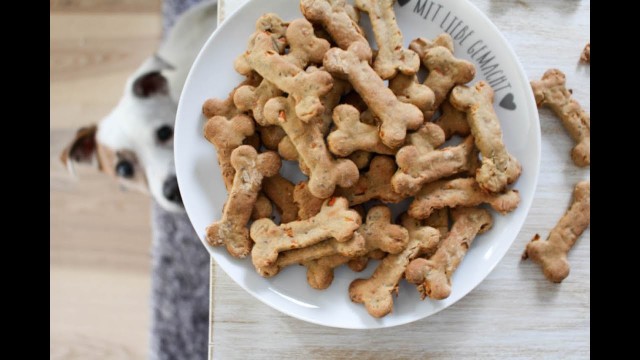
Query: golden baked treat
column 376, row 292
column 433, row 275
column 585, row 56
column 335, row 220
column 395, row 116
column 552, row 253
column 445, row 70
column 417, row 167
column 250, row 168
column 378, row 233
column 280, row 190
column 374, row 184
column 551, row 91
column 351, row 135
column 499, row 168
column 460, row 192
column 392, row 58
column 325, row 172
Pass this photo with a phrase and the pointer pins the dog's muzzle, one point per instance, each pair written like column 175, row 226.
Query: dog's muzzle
column 171, row 191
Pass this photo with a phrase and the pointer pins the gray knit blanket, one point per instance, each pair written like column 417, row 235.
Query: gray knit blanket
column 180, row 271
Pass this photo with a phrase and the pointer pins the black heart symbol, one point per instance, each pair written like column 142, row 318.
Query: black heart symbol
column 507, row 102
column 403, row 2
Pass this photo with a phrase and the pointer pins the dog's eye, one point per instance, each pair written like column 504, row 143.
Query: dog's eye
column 164, row 133
column 124, row 169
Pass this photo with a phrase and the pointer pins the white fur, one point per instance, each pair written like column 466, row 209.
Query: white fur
column 133, row 123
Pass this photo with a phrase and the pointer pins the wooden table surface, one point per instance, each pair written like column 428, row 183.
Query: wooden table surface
column 515, row 312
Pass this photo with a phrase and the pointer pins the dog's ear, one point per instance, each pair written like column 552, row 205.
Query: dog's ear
column 82, row 148
column 149, row 84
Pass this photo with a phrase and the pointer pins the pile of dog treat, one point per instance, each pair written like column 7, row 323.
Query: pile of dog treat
column 315, row 93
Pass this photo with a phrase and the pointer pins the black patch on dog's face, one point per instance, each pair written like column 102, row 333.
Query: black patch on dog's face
column 150, row 84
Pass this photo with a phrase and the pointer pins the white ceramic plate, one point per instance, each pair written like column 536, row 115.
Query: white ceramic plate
column 203, row 192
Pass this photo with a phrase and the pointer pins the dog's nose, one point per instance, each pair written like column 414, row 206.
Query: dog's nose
column 171, row 191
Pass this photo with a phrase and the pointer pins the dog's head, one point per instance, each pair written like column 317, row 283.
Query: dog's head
column 134, row 143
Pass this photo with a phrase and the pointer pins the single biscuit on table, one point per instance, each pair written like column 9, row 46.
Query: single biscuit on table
column 499, row 168
column 280, row 191
column 338, row 18
column 379, row 234
column 226, row 107
column 376, row 292
column 417, row 167
column 250, row 168
column 445, row 70
column 392, row 57
column 459, row 192
column 335, row 220
column 351, row 135
column 585, row 56
column 395, row 116
column 325, row 172
column 551, row 91
column 552, row 253
column 452, row 121
column 227, row 134
column 374, row 184
column 433, row 275
column 409, row 90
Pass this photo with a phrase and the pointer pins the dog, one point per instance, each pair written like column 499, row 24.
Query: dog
column 134, row 143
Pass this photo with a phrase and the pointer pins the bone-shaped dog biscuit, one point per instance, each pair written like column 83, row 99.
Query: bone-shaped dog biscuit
column 351, row 134
column 459, row 192
column 551, row 91
column 409, row 90
column 379, row 234
column 376, row 292
column 433, row 276
column 280, row 191
column 445, row 70
column 420, row 229
column 324, row 249
column 499, row 168
column 552, row 253
column 335, row 220
column 336, row 16
column 305, row 88
column 392, row 57
column 325, row 172
column 395, row 116
column 417, row 167
column 270, row 24
column 308, row 205
column 452, row 121
column 250, row 168
column 226, row 107
column 226, row 135
column 375, row 184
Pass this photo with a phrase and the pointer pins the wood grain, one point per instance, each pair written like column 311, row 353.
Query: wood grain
column 515, row 312
column 100, row 235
